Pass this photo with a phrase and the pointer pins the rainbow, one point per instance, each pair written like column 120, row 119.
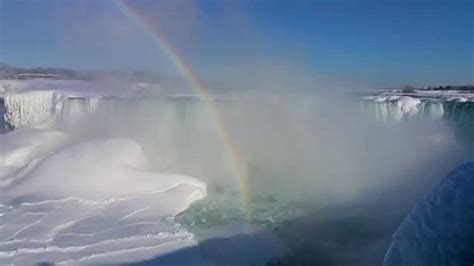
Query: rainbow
column 196, row 84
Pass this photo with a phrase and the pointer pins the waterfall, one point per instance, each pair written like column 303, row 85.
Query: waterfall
column 458, row 114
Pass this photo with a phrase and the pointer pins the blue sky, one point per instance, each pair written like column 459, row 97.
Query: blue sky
column 365, row 43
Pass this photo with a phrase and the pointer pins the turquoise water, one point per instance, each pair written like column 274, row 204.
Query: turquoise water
column 225, row 208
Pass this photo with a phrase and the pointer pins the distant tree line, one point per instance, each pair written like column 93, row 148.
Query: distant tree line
column 449, row 87
column 411, row 89
column 11, row 72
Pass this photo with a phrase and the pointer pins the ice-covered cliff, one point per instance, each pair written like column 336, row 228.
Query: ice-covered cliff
column 394, row 108
column 36, row 102
column 440, row 229
column 44, row 103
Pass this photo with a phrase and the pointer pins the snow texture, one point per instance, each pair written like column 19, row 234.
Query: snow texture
column 92, row 203
column 440, row 229
column 22, row 148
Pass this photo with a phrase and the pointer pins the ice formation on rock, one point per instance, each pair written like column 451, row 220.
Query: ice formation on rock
column 440, row 229
column 394, row 108
column 34, row 107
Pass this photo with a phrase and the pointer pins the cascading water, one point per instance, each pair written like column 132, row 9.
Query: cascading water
column 458, row 114
column 3, row 122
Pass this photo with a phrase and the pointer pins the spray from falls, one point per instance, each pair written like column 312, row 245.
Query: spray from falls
column 298, row 142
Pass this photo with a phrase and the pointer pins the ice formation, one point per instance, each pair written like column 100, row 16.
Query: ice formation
column 21, row 148
column 92, row 203
column 444, row 95
column 440, row 229
column 39, row 103
column 39, row 109
column 394, row 108
column 34, row 107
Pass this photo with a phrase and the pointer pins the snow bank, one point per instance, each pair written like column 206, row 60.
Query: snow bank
column 19, row 148
column 98, row 170
column 94, row 203
column 440, row 229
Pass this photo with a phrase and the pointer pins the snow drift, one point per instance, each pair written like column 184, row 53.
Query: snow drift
column 22, row 148
column 94, row 203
